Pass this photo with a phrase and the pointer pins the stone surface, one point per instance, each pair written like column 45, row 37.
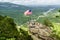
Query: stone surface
column 39, row 30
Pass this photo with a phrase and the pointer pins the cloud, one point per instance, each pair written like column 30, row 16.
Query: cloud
column 34, row 2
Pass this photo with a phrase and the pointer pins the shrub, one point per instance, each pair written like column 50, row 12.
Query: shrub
column 59, row 10
column 24, row 35
column 7, row 28
column 47, row 22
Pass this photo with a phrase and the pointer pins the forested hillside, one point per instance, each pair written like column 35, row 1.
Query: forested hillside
column 17, row 11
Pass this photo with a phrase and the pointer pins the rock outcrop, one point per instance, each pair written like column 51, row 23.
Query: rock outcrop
column 40, row 31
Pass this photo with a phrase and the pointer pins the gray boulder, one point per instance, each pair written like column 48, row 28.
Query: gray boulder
column 40, row 31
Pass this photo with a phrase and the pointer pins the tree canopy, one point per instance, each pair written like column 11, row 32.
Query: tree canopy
column 7, row 28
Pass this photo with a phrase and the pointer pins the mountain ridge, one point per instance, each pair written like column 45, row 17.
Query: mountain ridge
column 17, row 11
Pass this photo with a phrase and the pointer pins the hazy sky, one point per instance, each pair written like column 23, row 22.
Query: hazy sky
column 34, row 2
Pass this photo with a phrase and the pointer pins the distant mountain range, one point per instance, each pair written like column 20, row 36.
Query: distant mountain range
column 17, row 11
column 7, row 7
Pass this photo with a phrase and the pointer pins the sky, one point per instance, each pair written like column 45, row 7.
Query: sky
column 33, row 2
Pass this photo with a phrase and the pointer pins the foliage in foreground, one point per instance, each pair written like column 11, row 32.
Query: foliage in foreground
column 24, row 35
column 8, row 28
column 55, row 29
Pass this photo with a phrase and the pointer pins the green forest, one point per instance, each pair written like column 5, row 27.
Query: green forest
column 14, row 25
column 9, row 30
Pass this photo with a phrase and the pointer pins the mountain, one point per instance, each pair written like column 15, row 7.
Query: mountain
column 17, row 11
column 13, row 10
column 6, row 7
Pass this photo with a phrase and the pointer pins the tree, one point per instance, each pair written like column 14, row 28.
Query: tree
column 57, row 16
column 24, row 35
column 59, row 10
column 8, row 28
